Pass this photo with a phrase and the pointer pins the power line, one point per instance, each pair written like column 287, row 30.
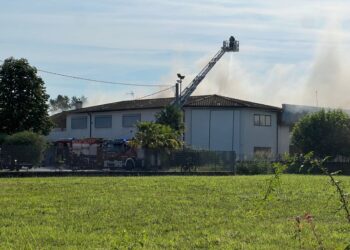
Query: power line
column 101, row 81
column 160, row 91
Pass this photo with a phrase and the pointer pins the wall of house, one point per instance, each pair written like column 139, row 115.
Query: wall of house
column 284, row 138
column 116, row 131
column 205, row 128
column 229, row 129
column 257, row 136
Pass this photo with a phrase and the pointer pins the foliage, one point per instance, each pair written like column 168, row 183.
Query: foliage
column 63, row 102
column 2, row 138
column 326, row 133
column 171, row 116
column 258, row 165
column 342, row 194
column 308, row 219
column 23, row 98
column 25, row 147
column 168, row 212
column 309, row 163
column 301, row 163
column 275, row 181
column 152, row 135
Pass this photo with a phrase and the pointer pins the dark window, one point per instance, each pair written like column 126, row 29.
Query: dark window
column 267, row 120
column 79, row 122
column 103, row 121
column 262, row 151
column 262, row 120
column 130, row 120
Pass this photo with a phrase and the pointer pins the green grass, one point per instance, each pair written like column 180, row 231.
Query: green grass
column 168, row 213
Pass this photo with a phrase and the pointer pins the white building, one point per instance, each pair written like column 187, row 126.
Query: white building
column 212, row 122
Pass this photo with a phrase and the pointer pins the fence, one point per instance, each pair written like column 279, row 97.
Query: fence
column 56, row 157
column 188, row 160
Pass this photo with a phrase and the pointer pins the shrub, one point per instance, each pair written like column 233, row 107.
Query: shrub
column 326, row 133
column 25, row 147
column 2, row 138
column 255, row 166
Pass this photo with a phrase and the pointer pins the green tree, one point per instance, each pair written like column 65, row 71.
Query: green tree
column 171, row 116
column 326, row 133
column 25, row 147
column 152, row 135
column 23, row 98
column 75, row 99
column 63, row 102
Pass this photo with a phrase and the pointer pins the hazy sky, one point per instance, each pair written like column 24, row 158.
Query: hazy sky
column 288, row 49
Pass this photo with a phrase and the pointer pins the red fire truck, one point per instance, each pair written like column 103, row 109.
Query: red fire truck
column 96, row 153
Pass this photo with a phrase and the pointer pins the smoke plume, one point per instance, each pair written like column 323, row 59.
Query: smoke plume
column 322, row 81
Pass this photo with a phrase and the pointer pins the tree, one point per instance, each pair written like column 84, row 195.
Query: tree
column 63, row 102
column 326, row 133
column 25, row 147
column 171, row 116
column 23, row 98
column 60, row 103
column 152, row 135
column 75, row 100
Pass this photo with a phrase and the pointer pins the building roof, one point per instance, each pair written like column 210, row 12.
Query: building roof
column 59, row 119
column 193, row 101
column 202, row 101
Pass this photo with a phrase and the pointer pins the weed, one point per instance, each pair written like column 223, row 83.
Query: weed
column 309, row 219
column 298, row 227
column 343, row 195
column 274, row 182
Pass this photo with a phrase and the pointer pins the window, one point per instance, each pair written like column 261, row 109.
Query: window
column 79, row 122
column 262, row 120
column 131, row 120
column 103, row 121
column 264, row 152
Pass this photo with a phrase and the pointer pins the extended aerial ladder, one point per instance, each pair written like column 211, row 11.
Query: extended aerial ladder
column 228, row 46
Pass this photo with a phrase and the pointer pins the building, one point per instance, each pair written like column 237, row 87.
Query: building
column 212, row 122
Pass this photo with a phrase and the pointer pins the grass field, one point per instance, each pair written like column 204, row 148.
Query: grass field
column 169, row 213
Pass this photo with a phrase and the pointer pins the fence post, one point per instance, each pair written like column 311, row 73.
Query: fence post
column 234, row 163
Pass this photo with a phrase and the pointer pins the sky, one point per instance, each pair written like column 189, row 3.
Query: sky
column 290, row 51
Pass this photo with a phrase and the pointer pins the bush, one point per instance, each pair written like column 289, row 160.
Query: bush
column 256, row 166
column 25, row 147
column 2, row 138
column 326, row 133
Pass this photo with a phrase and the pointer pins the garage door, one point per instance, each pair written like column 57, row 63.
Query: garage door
column 221, row 130
column 200, row 129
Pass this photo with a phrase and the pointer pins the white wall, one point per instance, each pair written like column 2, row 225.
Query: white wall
column 283, row 139
column 213, row 129
column 257, row 136
column 229, row 129
column 117, row 130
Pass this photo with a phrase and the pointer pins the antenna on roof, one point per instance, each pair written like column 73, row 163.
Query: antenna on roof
column 132, row 94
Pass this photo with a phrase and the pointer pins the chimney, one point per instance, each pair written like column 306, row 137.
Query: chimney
column 78, row 104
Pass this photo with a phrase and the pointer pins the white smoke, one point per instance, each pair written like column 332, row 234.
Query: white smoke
column 322, row 81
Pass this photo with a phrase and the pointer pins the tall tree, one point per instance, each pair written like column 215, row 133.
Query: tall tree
column 75, row 100
column 171, row 116
column 326, row 133
column 63, row 102
column 152, row 135
column 23, row 98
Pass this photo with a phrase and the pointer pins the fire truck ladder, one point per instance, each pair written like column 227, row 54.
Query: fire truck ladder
column 228, row 46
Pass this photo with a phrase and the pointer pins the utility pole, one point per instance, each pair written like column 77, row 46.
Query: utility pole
column 178, row 87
